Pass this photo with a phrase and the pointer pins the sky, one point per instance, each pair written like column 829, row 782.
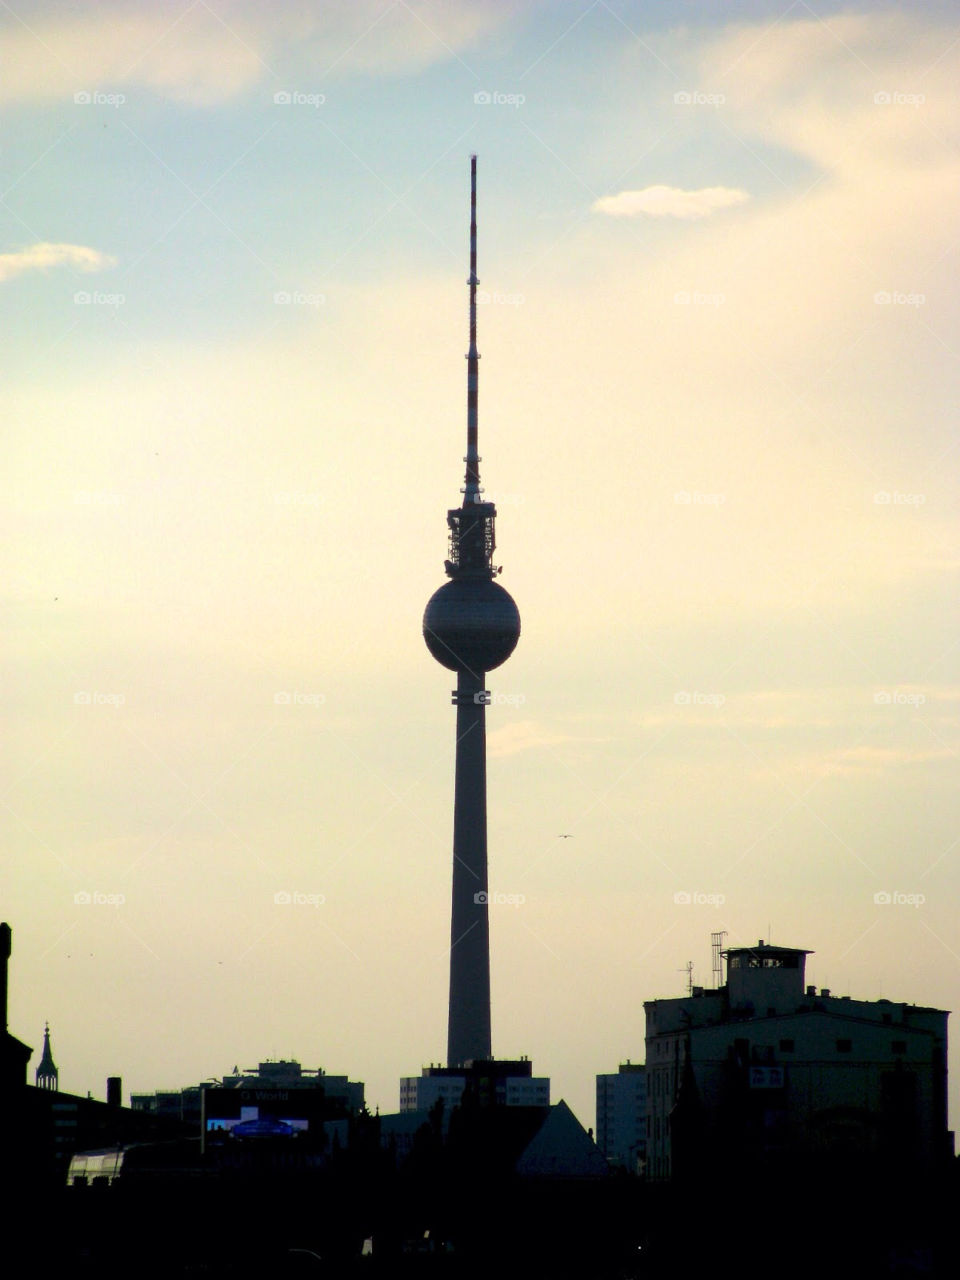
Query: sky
column 718, row 322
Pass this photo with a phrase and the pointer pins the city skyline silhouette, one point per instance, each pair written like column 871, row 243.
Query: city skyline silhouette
column 718, row 339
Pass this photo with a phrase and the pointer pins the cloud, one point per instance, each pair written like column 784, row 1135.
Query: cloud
column 670, row 202
column 43, row 255
column 201, row 58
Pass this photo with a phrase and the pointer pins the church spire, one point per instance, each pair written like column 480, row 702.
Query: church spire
column 48, row 1077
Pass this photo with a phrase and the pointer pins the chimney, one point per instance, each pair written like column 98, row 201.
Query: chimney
column 114, row 1091
column 6, row 946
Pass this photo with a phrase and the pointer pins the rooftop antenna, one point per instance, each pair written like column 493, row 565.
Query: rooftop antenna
column 716, row 946
column 688, row 970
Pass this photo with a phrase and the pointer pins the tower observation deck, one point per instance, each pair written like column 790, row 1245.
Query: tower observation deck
column 471, row 625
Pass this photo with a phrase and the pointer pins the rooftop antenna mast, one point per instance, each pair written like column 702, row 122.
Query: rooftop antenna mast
column 688, row 970
column 716, row 946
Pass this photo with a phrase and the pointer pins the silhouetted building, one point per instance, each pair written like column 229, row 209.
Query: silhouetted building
column 47, row 1077
column 494, row 1082
column 561, row 1148
column 344, row 1096
column 622, row 1116
column 14, row 1054
column 766, row 1072
column 288, row 1074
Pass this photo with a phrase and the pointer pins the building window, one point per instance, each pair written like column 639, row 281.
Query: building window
column 844, row 1046
column 786, row 1046
column 899, row 1046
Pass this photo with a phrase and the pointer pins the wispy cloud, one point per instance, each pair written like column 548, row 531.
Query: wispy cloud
column 670, row 202
column 202, row 55
column 37, row 257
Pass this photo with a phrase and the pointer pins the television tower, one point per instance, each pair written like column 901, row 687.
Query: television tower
column 470, row 625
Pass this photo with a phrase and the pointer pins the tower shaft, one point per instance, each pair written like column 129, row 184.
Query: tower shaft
column 468, row 1028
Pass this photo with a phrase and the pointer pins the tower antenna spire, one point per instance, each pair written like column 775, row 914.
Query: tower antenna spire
column 471, row 482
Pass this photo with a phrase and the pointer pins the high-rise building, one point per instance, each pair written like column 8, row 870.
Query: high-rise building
column 497, row 1082
column 765, row 1072
column 622, row 1116
column 470, row 625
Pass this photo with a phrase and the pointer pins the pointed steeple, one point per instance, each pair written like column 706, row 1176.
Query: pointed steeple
column 48, row 1077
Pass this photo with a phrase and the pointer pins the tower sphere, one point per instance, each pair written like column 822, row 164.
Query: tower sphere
column 471, row 624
